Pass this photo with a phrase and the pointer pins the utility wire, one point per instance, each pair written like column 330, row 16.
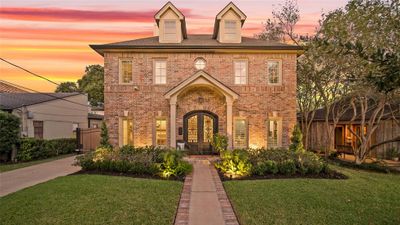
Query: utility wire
column 48, row 94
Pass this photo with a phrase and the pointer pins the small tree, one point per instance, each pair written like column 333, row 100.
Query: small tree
column 219, row 142
column 9, row 132
column 296, row 140
column 104, row 141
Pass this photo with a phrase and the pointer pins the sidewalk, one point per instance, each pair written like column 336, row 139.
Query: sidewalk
column 203, row 199
column 18, row 179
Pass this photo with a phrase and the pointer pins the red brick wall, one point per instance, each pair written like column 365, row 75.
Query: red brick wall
column 257, row 99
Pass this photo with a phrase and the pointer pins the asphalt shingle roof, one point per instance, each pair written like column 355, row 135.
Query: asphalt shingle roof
column 16, row 100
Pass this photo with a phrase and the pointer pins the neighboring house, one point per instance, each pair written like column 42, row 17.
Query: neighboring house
column 95, row 117
column 344, row 140
column 6, row 88
column 176, row 87
column 47, row 115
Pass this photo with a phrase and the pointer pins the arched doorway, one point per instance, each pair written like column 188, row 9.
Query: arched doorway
column 198, row 131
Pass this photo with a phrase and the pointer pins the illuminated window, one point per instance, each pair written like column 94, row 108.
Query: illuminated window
column 170, row 29
column 192, row 129
column 127, row 131
column 208, row 129
column 125, row 71
column 230, row 29
column 160, row 71
column 240, row 136
column 273, row 132
column 161, row 132
column 240, row 71
column 199, row 63
column 274, row 72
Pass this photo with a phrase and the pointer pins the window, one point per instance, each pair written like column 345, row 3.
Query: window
column 240, row 71
column 127, row 131
column 240, row 136
column 273, row 133
column 200, row 63
column 274, row 72
column 125, row 71
column 160, row 67
column 38, row 129
column 161, row 132
column 230, row 29
column 170, row 29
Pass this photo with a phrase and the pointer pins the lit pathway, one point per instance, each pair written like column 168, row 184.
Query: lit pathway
column 203, row 200
column 18, row 179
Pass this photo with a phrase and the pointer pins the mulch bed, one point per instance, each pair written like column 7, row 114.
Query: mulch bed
column 334, row 175
column 96, row 172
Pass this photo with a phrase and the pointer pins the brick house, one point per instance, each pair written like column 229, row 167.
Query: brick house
column 179, row 88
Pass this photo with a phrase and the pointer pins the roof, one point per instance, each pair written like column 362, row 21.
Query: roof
column 171, row 6
column 16, row 100
column 6, row 88
column 95, row 116
column 218, row 17
column 196, row 41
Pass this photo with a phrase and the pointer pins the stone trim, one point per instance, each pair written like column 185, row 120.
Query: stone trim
column 227, row 210
column 182, row 214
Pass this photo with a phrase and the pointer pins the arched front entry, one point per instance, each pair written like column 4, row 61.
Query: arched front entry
column 198, row 130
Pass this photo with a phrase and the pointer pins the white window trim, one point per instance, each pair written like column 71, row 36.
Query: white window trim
column 121, row 131
column 280, row 67
column 120, row 71
column 279, row 122
column 247, row 71
column 234, row 132
column 154, row 71
column 155, row 131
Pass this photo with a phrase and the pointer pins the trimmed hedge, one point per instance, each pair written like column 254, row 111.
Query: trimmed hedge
column 148, row 161
column 35, row 149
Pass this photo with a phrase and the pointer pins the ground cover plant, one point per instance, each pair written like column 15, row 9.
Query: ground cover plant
column 139, row 161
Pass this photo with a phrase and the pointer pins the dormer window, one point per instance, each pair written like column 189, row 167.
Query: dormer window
column 170, row 30
column 230, row 29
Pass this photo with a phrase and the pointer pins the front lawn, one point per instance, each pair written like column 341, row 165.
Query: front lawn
column 93, row 199
column 13, row 166
column 364, row 198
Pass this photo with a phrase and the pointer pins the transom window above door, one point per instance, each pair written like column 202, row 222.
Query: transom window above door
column 160, row 71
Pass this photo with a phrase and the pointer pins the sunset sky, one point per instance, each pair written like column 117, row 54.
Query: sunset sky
column 51, row 37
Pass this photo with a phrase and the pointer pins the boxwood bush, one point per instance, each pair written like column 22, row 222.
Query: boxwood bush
column 34, row 149
column 148, row 161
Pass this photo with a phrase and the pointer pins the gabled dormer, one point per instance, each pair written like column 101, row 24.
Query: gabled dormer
column 171, row 24
column 228, row 24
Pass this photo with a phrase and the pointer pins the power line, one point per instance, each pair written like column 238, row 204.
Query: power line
column 34, row 74
column 55, row 97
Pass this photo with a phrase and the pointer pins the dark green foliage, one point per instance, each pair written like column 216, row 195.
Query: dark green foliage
column 296, row 140
column 104, row 138
column 67, row 87
column 92, row 83
column 9, row 132
column 219, row 142
column 287, row 167
column 34, row 149
column 150, row 161
column 234, row 163
column 267, row 167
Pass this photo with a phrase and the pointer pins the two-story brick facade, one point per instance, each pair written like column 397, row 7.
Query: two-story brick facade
column 180, row 88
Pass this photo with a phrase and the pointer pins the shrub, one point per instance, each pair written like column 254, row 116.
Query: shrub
column 296, row 140
column 267, row 167
column 219, row 142
column 104, row 138
column 173, row 165
column 234, row 163
column 287, row 167
column 34, row 149
column 9, row 132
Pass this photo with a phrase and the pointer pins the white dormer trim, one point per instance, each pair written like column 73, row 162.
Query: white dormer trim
column 229, row 11
column 167, row 13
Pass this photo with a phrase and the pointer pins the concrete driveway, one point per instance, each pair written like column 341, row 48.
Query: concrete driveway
column 18, row 179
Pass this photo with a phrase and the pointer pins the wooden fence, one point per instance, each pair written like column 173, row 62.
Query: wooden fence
column 88, row 139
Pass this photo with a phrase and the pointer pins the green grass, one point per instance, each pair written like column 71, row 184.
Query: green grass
column 93, row 199
column 364, row 198
column 13, row 166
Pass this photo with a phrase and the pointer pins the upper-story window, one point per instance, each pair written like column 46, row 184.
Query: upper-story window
column 170, row 29
column 125, row 71
column 240, row 71
column 200, row 63
column 160, row 70
column 274, row 72
column 230, row 29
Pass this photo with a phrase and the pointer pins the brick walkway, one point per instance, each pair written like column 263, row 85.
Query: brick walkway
column 203, row 199
column 18, row 179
